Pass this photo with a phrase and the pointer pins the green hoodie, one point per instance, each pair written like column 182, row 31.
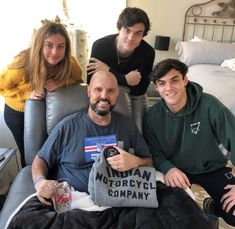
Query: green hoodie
column 189, row 139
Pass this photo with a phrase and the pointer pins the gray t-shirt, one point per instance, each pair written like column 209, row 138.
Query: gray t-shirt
column 73, row 144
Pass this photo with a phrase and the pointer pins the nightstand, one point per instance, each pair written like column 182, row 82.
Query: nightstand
column 8, row 153
column 5, row 178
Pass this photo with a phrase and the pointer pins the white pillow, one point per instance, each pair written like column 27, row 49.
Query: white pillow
column 229, row 63
column 204, row 52
column 197, row 39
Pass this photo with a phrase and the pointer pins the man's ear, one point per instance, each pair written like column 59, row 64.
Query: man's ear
column 156, row 86
column 118, row 91
column 185, row 80
column 88, row 90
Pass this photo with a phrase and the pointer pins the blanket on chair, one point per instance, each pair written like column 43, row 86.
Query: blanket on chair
column 176, row 211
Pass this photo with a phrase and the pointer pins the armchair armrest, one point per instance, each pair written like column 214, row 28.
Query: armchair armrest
column 34, row 128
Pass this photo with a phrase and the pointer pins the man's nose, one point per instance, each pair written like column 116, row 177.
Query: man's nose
column 168, row 86
column 131, row 36
column 104, row 94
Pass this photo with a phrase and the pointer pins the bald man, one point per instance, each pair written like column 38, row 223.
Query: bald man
column 65, row 153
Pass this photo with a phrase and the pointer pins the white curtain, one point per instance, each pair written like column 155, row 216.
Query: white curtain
column 97, row 17
column 17, row 20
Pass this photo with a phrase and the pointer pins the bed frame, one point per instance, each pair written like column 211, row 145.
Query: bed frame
column 213, row 20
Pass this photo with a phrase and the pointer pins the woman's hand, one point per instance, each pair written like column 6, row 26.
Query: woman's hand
column 52, row 85
column 39, row 95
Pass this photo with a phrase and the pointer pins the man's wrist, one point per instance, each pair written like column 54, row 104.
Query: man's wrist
column 37, row 179
column 138, row 162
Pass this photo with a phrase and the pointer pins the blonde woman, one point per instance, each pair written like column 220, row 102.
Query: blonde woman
column 46, row 65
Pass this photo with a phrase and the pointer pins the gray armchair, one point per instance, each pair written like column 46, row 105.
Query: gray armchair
column 40, row 118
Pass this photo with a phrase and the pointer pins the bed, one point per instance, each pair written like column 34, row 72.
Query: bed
column 208, row 48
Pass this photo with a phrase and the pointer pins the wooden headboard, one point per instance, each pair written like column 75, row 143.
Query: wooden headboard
column 213, row 20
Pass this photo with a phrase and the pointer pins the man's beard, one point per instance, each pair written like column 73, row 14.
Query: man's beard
column 102, row 112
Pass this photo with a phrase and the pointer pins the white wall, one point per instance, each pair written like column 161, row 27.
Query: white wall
column 167, row 19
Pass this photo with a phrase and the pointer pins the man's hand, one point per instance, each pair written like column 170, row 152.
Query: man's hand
column 124, row 161
column 45, row 191
column 176, row 178
column 96, row 65
column 133, row 78
column 228, row 199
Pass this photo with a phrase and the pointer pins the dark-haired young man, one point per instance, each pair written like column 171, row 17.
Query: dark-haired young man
column 126, row 54
column 184, row 131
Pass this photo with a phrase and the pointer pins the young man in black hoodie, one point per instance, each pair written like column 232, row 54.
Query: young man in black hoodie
column 184, row 131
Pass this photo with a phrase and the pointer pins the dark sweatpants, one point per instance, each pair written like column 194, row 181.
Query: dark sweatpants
column 15, row 122
column 214, row 183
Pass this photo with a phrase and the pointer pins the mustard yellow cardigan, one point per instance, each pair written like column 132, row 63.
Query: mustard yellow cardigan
column 16, row 90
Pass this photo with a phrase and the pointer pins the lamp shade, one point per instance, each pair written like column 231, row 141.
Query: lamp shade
column 162, row 43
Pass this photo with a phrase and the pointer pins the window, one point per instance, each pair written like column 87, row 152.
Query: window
column 18, row 18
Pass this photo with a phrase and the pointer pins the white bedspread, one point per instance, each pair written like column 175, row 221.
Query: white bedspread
column 215, row 80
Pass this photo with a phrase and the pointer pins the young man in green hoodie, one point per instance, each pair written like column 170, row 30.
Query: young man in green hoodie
column 184, row 131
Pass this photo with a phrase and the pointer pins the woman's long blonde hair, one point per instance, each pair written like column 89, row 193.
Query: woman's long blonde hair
column 33, row 62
